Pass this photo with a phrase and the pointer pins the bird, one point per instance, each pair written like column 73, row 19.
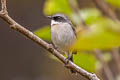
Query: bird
column 63, row 34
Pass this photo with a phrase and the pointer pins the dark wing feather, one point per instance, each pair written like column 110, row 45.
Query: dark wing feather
column 73, row 28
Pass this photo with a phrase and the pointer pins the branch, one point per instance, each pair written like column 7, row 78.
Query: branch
column 104, row 7
column 106, row 68
column 14, row 25
column 76, row 9
column 116, row 57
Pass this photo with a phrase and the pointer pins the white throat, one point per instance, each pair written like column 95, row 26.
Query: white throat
column 53, row 22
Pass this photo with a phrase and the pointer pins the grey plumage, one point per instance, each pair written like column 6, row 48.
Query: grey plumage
column 62, row 36
column 62, row 33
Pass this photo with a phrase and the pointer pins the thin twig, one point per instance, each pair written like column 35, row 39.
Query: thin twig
column 4, row 9
column 105, row 9
column 14, row 25
column 116, row 57
column 76, row 9
column 106, row 68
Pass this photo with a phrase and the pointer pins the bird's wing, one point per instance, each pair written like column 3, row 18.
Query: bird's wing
column 73, row 28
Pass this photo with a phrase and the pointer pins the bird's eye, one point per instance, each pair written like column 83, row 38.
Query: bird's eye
column 56, row 18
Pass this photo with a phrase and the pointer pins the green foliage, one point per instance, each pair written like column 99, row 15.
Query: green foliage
column 90, row 15
column 103, row 34
column 44, row 33
column 115, row 3
column 86, row 61
column 57, row 6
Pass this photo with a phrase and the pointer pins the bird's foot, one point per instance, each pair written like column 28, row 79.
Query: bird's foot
column 67, row 64
column 67, row 61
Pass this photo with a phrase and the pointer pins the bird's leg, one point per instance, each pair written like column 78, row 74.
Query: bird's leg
column 69, row 57
column 54, row 46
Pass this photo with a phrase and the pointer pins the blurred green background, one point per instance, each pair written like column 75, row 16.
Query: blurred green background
column 22, row 59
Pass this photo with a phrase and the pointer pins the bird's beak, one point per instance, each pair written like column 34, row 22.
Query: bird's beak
column 49, row 17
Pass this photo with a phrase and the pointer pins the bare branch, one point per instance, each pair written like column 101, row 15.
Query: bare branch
column 104, row 7
column 76, row 9
column 4, row 9
column 14, row 25
column 116, row 57
column 106, row 68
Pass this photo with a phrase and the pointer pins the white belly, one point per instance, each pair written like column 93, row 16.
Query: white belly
column 62, row 36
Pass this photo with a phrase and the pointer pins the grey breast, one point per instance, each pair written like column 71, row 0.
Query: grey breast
column 62, row 35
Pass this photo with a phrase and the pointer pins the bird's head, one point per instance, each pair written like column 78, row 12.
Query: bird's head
column 58, row 19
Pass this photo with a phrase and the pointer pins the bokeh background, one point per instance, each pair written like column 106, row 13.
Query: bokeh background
column 22, row 59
